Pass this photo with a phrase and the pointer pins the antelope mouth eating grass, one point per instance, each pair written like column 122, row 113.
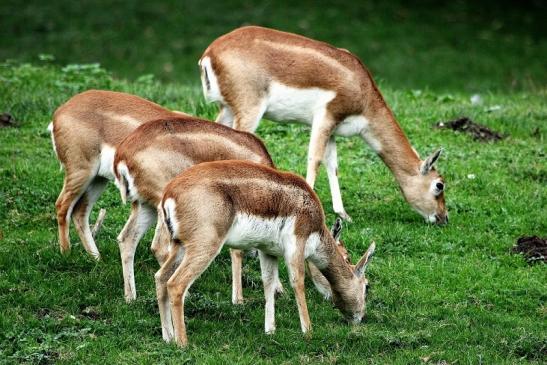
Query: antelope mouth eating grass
column 245, row 205
column 253, row 72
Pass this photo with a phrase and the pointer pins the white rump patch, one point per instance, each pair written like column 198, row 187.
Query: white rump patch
column 50, row 129
column 170, row 215
column 209, row 81
column 292, row 104
column 106, row 164
column 131, row 192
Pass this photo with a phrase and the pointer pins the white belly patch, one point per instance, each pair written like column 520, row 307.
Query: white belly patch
column 290, row 104
column 271, row 235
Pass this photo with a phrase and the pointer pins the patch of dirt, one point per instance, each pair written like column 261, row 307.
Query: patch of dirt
column 43, row 312
column 90, row 313
column 47, row 357
column 7, row 120
column 533, row 248
column 477, row 131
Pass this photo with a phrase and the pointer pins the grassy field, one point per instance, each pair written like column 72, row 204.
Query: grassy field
column 453, row 294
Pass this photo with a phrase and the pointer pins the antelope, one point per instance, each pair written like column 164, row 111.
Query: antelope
column 154, row 154
column 246, row 205
column 253, row 72
column 85, row 131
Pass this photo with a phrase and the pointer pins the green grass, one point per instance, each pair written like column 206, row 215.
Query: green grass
column 453, row 294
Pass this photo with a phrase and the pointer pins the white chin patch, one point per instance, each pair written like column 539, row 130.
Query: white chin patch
column 356, row 319
column 431, row 218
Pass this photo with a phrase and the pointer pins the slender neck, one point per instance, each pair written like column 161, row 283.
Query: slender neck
column 392, row 145
column 335, row 269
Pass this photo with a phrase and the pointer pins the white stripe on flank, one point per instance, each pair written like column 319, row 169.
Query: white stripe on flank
column 123, row 118
column 311, row 53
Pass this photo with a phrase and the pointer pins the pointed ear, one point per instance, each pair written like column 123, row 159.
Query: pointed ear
column 321, row 283
column 361, row 266
column 427, row 165
column 336, row 230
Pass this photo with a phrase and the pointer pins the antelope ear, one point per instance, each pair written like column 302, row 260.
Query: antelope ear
column 336, row 230
column 427, row 165
column 361, row 266
column 321, row 283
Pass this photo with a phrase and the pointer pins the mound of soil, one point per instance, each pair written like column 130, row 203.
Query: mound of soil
column 533, row 248
column 7, row 120
column 90, row 313
column 477, row 131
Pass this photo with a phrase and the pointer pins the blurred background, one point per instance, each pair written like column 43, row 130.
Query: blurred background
column 457, row 45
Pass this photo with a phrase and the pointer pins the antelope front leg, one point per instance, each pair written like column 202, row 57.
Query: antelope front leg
column 270, row 279
column 237, row 287
column 331, row 164
column 295, row 266
column 140, row 219
column 321, row 131
column 225, row 116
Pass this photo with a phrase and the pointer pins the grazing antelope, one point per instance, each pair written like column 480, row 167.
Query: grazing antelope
column 85, row 131
column 253, row 72
column 154, row 154
column 245, row 205
column 320, row 282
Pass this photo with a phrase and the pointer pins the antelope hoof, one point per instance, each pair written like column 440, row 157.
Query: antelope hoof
column 345, row 216
column 182, row 342
column 237, row 301
column 130, row 298
column 279, row 290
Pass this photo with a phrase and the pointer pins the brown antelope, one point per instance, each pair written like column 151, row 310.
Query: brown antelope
column 245, row 205
column 253, row 72
column 85, row 131
column 154, row 154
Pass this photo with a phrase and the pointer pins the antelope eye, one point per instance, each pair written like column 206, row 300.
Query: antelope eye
column 439, row 186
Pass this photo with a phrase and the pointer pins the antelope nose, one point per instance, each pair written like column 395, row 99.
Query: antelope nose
column 441, row 219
